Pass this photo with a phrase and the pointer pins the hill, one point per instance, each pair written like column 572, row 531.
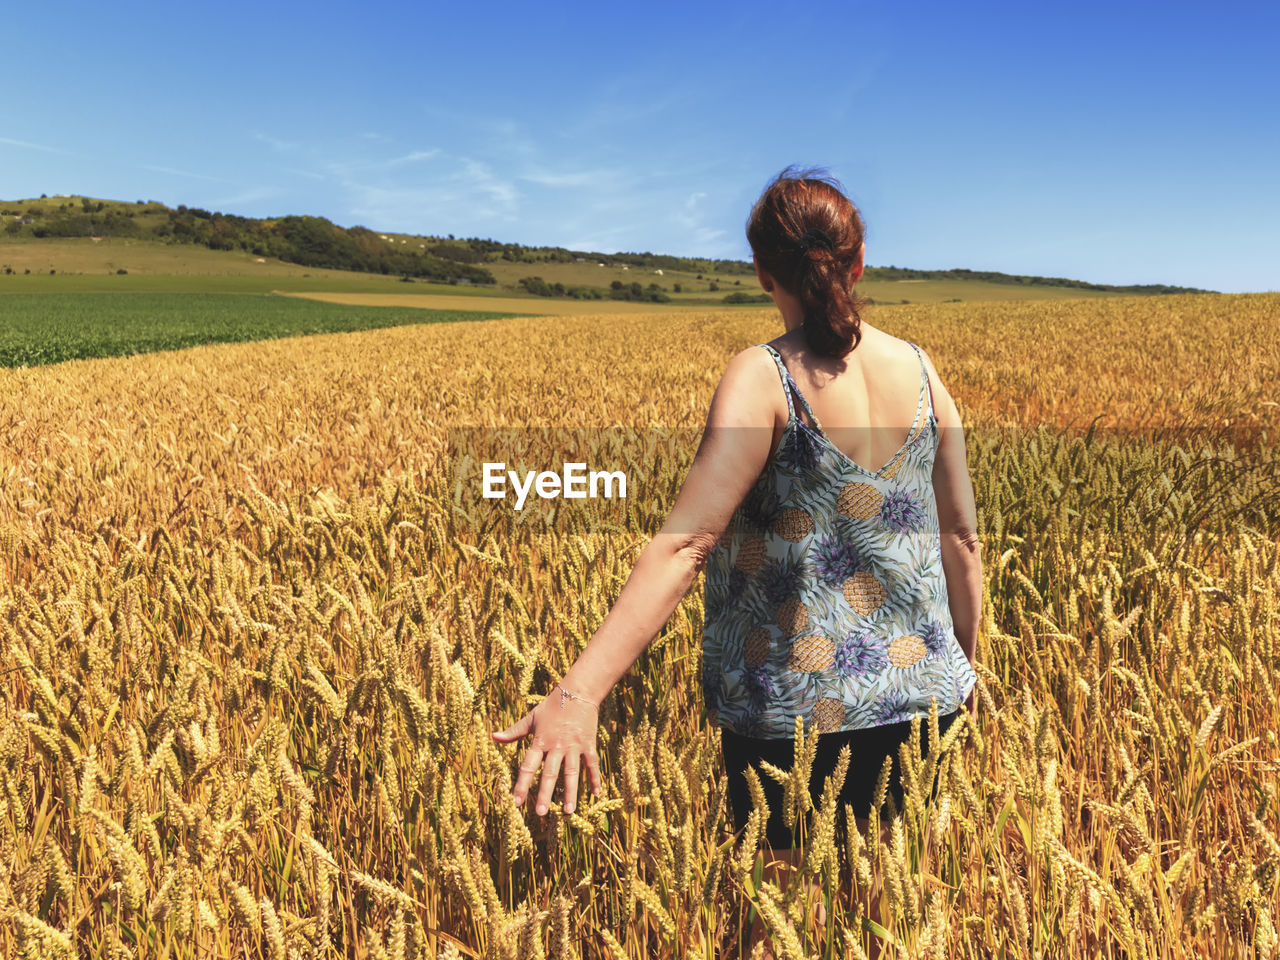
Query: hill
column 306, row 241
column 315, row 242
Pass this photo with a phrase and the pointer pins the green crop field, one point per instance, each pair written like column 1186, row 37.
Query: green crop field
column 39, row 328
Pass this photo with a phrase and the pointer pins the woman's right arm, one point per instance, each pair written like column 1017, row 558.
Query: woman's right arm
column 957, row 520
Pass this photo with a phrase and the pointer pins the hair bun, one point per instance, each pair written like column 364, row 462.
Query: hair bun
column 814, row 238
column 807, row 235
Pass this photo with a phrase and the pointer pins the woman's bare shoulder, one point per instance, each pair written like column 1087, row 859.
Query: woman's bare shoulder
column 883, row 346
column 751, row 364
column 749, row 372
column 944, row 406
column 880, row 352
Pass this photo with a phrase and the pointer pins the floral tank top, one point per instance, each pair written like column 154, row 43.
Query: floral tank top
column 825, row 597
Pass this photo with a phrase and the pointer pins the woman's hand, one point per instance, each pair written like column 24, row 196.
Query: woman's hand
column 747, row 409
column 560, row 733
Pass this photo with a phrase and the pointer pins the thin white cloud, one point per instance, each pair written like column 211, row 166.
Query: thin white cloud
column 413, row 157
column 691, row 219
column 362, row 169
column 173, row 172
column 28, row 145
column 502, row 193
column 614, row 105
column 309, row 174
column 597, row 241
column 244, row 197
column 708, row 235
column 506, row 180
column 280, row 146
column 575, row 180
column 464, row 191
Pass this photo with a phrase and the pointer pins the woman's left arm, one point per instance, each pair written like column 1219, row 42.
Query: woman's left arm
column 736, row 444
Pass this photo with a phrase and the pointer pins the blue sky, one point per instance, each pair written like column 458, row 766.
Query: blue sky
column 1116, row 143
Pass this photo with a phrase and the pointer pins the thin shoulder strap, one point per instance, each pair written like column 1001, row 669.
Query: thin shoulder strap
column 789, row 386
column 924, row 375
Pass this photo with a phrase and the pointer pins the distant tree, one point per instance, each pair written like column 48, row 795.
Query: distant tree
column 121, row 272
column 676, row 288
column 714, row 286
column 537, row 286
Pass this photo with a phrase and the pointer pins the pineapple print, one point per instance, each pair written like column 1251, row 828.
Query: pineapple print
column 860, row 501
column 864, row 593
column 757, row 647
column 813, row 653
column 907, row 651
column 751, row 555
column 894, row 465
column 759, row 508
column 792, row 616
column 793, row 525
column 819, row 551
column 827, row 715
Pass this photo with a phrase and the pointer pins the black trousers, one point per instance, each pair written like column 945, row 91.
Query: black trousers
column 867, row 747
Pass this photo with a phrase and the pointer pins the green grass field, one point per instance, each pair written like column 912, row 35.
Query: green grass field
column 40, row 328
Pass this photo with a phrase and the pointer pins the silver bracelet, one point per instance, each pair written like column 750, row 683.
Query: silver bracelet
column 565, row 694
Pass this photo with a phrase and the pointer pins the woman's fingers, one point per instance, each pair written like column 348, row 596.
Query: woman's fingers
column 593, row 770
column 550, row 761
column 528, row 767
column 550, row 770
column 517, row 730
column 571, row 768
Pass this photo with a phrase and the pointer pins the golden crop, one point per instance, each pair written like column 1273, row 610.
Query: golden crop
column 256, row 633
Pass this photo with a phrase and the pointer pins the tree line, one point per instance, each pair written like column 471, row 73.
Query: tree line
column 306, row 241
column 317, row 242
column 991, row 276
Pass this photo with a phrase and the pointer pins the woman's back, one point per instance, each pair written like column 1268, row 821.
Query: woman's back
column 866, row 402
column 826, row 597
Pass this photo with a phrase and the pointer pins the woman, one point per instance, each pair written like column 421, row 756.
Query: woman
column 836, row 591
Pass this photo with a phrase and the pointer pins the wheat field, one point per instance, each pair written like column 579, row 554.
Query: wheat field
column 257, row 630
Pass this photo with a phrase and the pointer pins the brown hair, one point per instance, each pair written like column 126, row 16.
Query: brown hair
column 806, row 234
